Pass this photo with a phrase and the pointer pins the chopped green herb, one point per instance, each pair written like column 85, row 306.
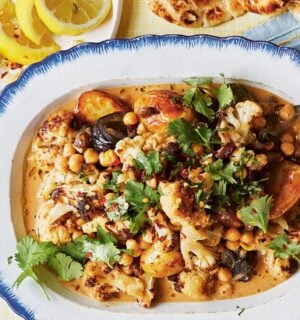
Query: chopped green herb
column 283, row 249
column 107, row 253
column 105, row 237
column 219, row 171
column 149, row 162
column 113, row 183
column 257, row 213
column 65, row 267
column 224, row 95
column 116, row 208
column 75, row 250
column 83, row 177
column 9, row 259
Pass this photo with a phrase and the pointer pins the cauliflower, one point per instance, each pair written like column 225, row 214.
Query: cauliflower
column 101, row 283
column 196, row 284
column 238, row 120
column 162, row 259
column 195, row 255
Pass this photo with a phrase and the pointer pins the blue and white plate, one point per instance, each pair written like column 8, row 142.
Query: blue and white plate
column 144, row 60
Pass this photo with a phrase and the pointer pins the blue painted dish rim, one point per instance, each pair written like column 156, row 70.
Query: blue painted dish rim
column 116, row 44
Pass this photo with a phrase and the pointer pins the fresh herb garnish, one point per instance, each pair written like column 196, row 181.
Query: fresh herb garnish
column 187, row 134
column 107, row 253
column 105, row 237
column 139, row 197
column 74, row 249
column 224, row 94
column 10, row 259
column 31, row 253
column 149, row 162
column 112, row 184
column 197, row 81
column 116, row 208
column 200, row 102
column 257, row 213
column 283, row 249
column 219, row 171
column 65, row 267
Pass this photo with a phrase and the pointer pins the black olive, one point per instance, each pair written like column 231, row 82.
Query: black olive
column 107, row 131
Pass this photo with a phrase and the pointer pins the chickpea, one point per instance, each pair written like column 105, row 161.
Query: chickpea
column 225, row 289
column 80, row 222
column 141, row 129
column 152, row 183
column 108, row 158
column 224, row 274
column 296, row 125
column 287, row 137
column 287, row 112
column 144, row 244
column 76, row 162
column 258, row 123
column 127, row 270
column 130, row 119
column 61, row 164
column 126, row 260
column 68, row 150
column 134, row 246
column 233, row 234
column 247, row 237
column 232, row 245
column 91, row 156
column 287, row 148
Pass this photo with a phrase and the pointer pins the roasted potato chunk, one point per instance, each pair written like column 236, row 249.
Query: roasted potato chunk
column 157, row 108
column 92, row 105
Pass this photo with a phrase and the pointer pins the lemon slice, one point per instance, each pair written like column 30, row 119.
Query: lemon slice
column 72, row 17
column 29, row 21
column 13, row 43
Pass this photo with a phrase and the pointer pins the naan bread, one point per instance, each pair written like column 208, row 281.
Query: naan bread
column 208, row 13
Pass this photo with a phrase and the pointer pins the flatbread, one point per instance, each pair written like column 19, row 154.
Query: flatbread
column 207, row 13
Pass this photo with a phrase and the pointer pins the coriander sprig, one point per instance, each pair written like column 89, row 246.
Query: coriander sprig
column 283, row 249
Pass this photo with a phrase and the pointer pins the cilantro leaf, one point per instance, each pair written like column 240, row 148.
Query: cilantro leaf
column 75, row 248
column 224, row 95
column 219, row 171
column 257, row 213
column 105, row 237
column 149, row 162
column 197, row 81
column 283, row 249
column 113, row 183
column 116, row 208
column 65, row 267
column 31, row 253
column 107, row 253
column 139, row 197
column 187, row 134
column 194, row 99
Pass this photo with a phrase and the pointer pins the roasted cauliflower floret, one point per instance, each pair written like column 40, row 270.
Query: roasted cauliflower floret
column 162, row 259
column 158, row 108
column 46, row 228
column 51, row 138
column 238, row 120
column 101, row 283
column 196, row 284
column 249, row 159
column 195, row 255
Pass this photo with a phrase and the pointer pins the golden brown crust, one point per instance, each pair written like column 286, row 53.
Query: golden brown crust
column 294, row 8
column 267, row 6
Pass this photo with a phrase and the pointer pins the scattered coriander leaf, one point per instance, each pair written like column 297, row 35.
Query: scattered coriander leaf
column 10, row 259
column 116, row 208
column 283, row 249
column 105, row 237
column 197, row 81
column 149, row 162
column 187, row 134
column 224, row 95
column 194, row 99
column 75, row 250
column 257, row 213
column 107, row 253
column 113, row 183
column 219, row 171
column 65, row 267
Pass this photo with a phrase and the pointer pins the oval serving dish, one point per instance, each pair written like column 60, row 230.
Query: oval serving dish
column 144, row 60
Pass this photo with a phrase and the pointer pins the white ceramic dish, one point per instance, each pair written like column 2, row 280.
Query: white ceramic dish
column 146, row 59
column 107, row 30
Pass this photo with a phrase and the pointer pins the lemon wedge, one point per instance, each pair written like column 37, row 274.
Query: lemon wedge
column 29, row 21
column 72, row 17
column 14, row 45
